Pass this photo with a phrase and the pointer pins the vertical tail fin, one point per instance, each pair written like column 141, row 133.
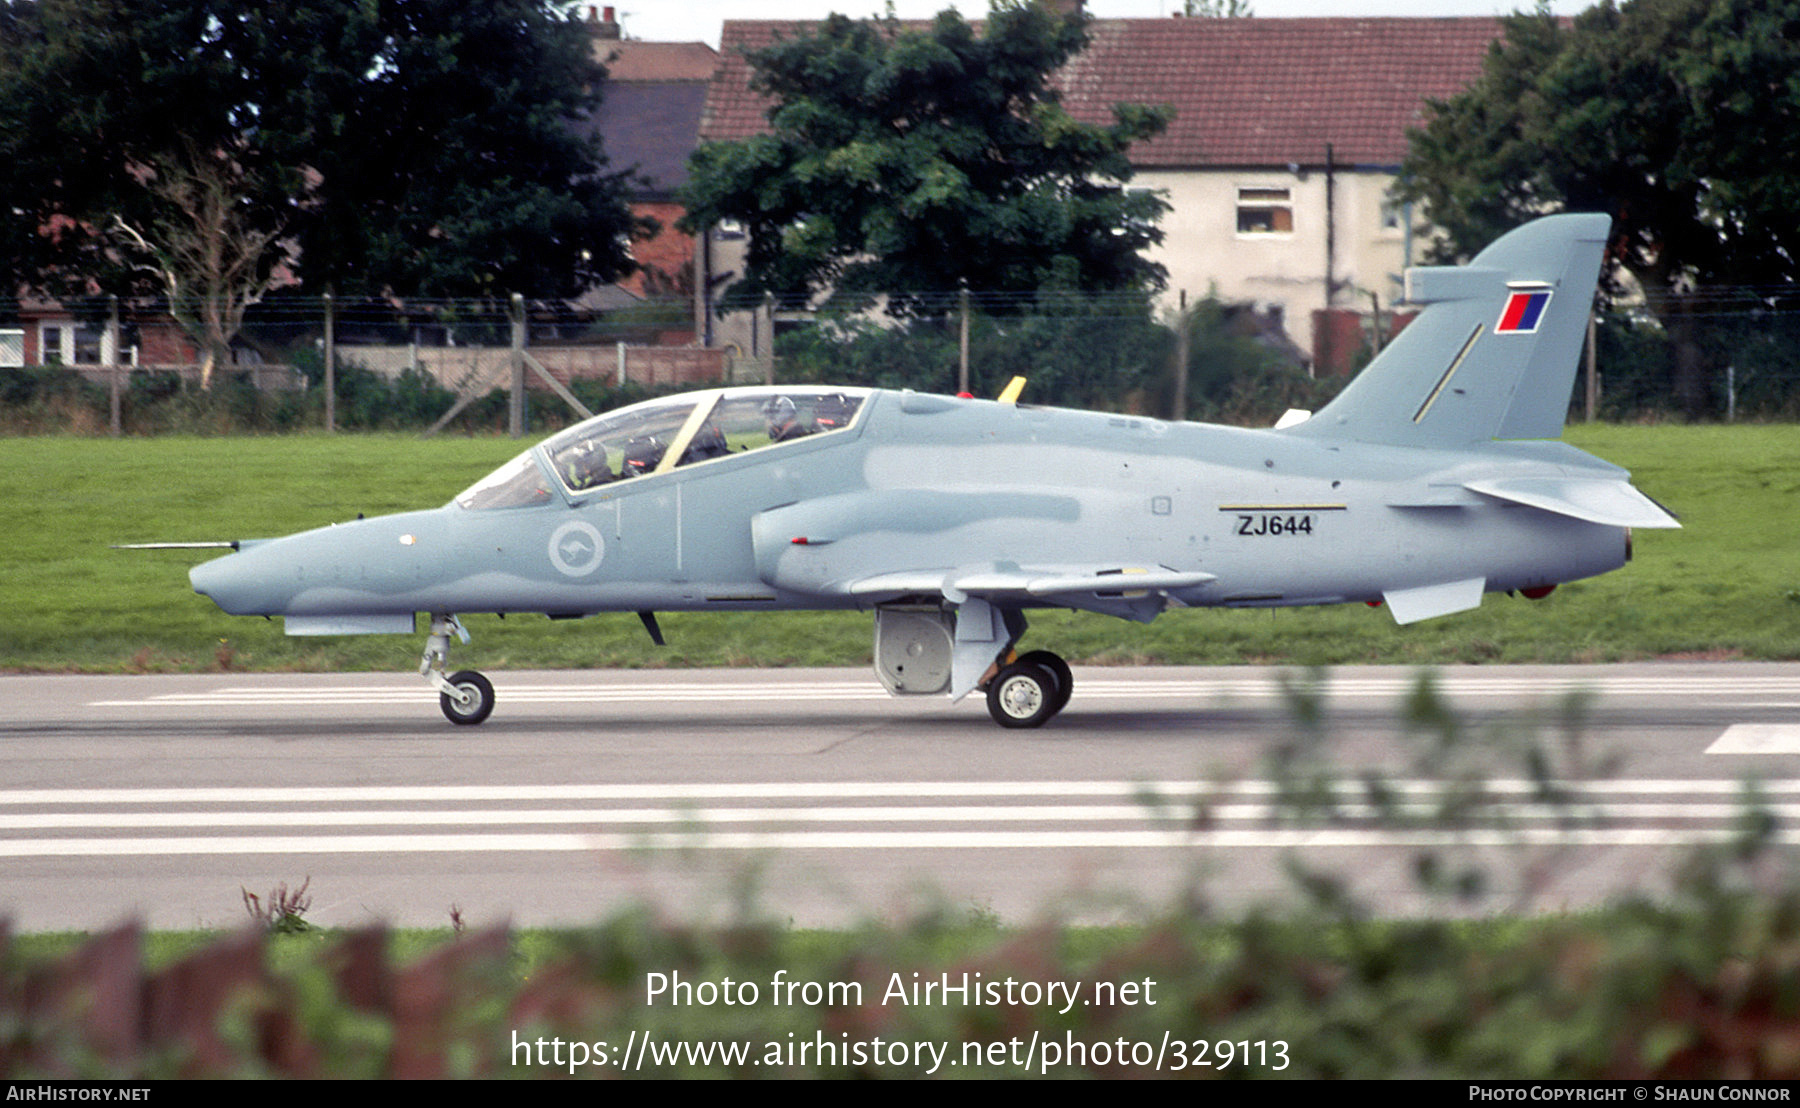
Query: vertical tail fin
column 1493, row 353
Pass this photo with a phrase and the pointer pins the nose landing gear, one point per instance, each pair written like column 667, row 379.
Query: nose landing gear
column 466, row 697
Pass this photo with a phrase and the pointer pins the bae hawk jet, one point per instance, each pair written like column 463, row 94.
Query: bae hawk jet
column 1429, row 481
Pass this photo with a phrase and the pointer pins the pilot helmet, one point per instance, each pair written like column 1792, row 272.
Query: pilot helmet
column 642, row 454
column 832, row 412
column 587, row 464
column 780, row 412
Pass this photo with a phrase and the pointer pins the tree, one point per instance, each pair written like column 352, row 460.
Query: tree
column 912, row 162
column 1217, row 9
column 202, row 150
column 450, row 164
column 214, row 258
column 1674, row 116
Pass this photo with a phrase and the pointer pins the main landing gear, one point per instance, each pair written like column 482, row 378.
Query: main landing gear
column 1023, row 690
column 928, row 649
column 1029, row 690
column 466, row 696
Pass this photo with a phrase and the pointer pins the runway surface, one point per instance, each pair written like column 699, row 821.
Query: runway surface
column 810, row 795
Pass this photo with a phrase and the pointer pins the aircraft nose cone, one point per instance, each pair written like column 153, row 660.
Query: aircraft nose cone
column 226, row 582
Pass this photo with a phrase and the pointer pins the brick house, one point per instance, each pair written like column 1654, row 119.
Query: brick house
column 49, row 333
column 649, row 122
column 1287, row 138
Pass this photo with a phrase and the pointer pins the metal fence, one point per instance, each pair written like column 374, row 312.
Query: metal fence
column 1734, row 354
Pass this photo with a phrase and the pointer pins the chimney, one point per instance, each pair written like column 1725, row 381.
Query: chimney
column 605, row 25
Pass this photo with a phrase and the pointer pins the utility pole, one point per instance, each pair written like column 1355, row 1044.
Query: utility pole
column 1330, row 226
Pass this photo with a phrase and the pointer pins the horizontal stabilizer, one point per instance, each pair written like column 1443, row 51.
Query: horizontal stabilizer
column 1413, row 605
column 1592, row 500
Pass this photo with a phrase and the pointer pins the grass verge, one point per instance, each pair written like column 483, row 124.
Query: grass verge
column 1727, row 586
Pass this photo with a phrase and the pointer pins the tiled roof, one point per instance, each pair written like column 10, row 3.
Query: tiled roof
column 634, row 60
column 732, row 111
column 650, row 126
column 1245, row 91
column 650, row 107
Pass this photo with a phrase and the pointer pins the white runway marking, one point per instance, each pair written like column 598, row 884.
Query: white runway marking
column 1220, row 689
column 868, row 840
column 1177, row 815
column 1758, row 738
column 1167, row 791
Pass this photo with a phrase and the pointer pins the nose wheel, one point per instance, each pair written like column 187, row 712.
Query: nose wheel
column 466, row 696
column 469, row 699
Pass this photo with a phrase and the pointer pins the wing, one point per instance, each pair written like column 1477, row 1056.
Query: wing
column 1129, row 592
column 878, row 547
column 987, row 599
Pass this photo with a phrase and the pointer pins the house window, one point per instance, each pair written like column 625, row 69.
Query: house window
column 1393, row 216
column 12, row 348
column 50, row 345
column 87, row 345
column 70, row 344
column 1265, row 210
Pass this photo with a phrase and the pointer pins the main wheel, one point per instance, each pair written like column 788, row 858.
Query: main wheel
column 1058, row 671
column 1022, row 695
column 479, row 692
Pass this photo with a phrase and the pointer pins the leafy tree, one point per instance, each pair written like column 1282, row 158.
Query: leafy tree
column 1217, row 9
column 450, row 165
column 1674, row 116
column 201, row 150
column 908, row 162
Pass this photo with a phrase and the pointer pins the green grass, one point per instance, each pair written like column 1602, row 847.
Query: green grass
column 1727, row 586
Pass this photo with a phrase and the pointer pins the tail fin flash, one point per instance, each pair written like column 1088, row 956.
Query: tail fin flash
column 1493, row 353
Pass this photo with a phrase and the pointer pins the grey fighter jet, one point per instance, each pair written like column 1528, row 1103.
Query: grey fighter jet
column 1427, row 482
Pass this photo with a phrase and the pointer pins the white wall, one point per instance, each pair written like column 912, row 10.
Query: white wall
column 1206, row 254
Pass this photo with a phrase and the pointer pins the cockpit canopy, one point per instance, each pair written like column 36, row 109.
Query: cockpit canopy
column 660, row 435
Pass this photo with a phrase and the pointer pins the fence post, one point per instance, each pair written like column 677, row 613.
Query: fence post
column 962, row 341
column 330, row 364
column 769, row 362
column 112, row 345
column 1593, row 376
column 515, row 408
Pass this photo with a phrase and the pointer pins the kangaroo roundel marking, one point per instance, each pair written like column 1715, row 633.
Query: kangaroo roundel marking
column 576, row 548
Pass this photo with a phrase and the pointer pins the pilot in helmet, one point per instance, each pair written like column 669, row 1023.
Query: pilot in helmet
column 709, row 442
column 586, row 465
column 784, row 420
column 642, row 454
column 831, row 413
